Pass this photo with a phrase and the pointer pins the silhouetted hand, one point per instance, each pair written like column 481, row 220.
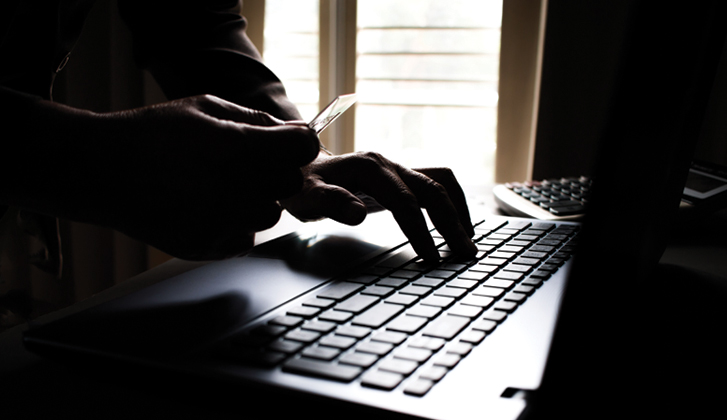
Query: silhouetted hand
column 330, row 183
column 196, row 177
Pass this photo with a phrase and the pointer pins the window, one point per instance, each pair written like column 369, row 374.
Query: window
column 291, row 50
column 426, row 74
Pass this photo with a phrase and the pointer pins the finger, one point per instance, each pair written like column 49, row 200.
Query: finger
column 446, row 178
column 224, row 110
column 259, row 215
column 390, row 191
column 320, row 200
column 274, row 183
column 435, row 199
column 281, row 146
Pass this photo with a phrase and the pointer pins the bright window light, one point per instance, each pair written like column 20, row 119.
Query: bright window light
column 427, row 75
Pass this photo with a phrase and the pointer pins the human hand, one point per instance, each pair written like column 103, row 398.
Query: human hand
column 195, row 178
column 330, row 183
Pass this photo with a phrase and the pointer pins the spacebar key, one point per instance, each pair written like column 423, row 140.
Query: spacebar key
column 321, row 369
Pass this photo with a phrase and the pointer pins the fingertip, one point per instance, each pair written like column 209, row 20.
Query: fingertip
column 306, row 142
column 354, row 214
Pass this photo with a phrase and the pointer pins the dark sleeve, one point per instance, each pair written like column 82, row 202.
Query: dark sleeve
column 194, row 47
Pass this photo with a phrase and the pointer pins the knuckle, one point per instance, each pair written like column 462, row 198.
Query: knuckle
column 371, row 160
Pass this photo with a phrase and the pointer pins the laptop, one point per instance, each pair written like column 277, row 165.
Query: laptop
column 334, row 318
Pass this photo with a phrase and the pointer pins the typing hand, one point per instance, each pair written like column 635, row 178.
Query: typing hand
column 330, row 181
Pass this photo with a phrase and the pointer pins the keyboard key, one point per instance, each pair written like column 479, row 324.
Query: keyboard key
column 285, row 346
column 302, row 336
column 424, row 311
column 428, row 282
column 434, row 373
column 516, row 297
column 429, row 343
column 328, row 370
column 526, row 261
column 418, row 387
column 528, row 290
column 404, row 256
column 461, row 348
column 401, row 366
column 495, row 315
column 542, row 248
column 363, row 279
column 340, row 291
column 518, row 268
column 540, row 274
column 474, row 300
column 412, row 353
column 502, row 284
column 502, row 255
column 452, row 292
column 304, row 311
column 406, row 324
column 381, row 380
column 351, row 331
column 532, row 281
column 441, row 274
column 390, row 337
column 286, row 321
column 392, row 282
column 378, row 315
column 415, row 290
column 374, row 347
column 462, row 283
column 473, row 275
column 405, row 274
column 320, row 303
column 438, row 301
column 472, row 337
column 320, row 326
column 465, row 311
column 453, row 266
column 357, row 303
column 506, row 306
column 322, row 353
column 399, row 299
column 446, row 327
column 379, row 291
column 337, row 341
column 363, row 360
column 447, row 360
column 493, row 261
column 508, row 275
column 488, row 291
column 483, row 268
column 335, row 316
column 485, row 325
column 534, row 255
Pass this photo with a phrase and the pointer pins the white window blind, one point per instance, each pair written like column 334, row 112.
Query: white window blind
column 426, row 75
column 291, row 50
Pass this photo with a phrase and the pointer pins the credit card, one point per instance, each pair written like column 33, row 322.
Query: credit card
column 329, row 114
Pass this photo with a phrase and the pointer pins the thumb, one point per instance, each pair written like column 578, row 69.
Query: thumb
column 325, row 200
column 284, row 145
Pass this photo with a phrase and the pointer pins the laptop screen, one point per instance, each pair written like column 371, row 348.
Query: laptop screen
column 665, row 75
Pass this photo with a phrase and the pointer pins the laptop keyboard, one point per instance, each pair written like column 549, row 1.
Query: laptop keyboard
column 405, row 322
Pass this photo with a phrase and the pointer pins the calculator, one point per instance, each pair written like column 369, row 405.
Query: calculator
column 549, row 199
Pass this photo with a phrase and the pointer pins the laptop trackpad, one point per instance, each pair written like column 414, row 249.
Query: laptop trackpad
column 179, row 315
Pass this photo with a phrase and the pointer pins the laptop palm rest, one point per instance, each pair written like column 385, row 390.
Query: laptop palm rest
column 183, row 314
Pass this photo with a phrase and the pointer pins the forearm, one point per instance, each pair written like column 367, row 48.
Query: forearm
column 49, row 154
column 200, row 47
